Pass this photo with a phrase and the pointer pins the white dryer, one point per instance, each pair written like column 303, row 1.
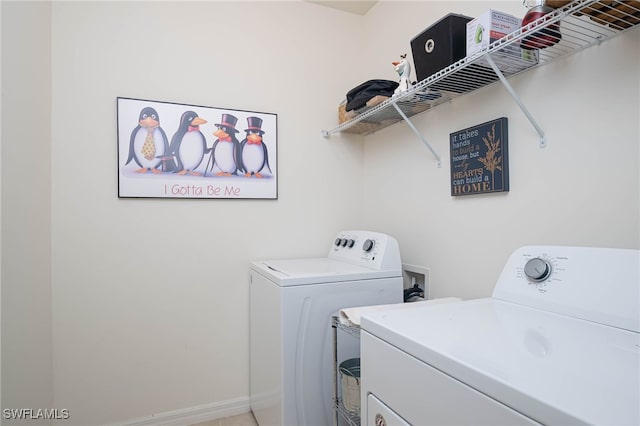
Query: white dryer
column 556, row 344
column 292, row 301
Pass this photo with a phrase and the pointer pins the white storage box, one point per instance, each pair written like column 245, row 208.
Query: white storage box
column 491, row 26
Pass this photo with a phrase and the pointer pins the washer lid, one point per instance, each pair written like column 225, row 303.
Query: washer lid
column 290, row 272
column 553, row 368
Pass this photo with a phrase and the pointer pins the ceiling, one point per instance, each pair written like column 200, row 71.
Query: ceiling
column 357, row 7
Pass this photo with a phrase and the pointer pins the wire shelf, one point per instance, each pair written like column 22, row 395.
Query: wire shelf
column 349, row 329
column 353, row 419
column 569, row 29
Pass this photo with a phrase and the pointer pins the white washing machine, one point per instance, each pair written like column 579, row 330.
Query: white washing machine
column 556, row 344
column 292, row 302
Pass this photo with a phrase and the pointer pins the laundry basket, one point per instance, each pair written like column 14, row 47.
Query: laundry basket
column 350, row 381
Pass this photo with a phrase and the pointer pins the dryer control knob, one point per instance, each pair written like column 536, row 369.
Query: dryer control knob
column 537, row 270
column 338, row 241
column 368, row 245
column 351, row 243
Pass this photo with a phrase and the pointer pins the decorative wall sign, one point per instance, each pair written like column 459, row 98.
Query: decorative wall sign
column 169, row 150
column 479, row 159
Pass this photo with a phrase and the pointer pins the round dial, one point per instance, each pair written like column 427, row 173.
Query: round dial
column 380, row 421
column 338, row 241
column 368, row 245
column 344, row 242
column 351, row 243
column 537, row 269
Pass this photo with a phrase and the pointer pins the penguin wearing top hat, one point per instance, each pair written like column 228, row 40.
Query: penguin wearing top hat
column 226, row 149
column 253, row 151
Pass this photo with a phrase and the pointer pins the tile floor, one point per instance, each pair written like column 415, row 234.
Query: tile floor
column 240, row 420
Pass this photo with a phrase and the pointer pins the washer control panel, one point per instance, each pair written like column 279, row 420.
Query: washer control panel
column 540, row 271
column 366, row 248
column 537, row 269
column 599, row 284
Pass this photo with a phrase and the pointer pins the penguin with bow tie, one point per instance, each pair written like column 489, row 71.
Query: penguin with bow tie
column 226, row 149
column 188, row 146
column 253, row 151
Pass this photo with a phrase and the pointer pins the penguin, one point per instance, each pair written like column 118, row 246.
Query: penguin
column 253, row 152
column 148, row 142
column 225, row 151
column 188, row 145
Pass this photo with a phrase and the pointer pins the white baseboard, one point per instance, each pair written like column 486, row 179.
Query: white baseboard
column 193, row 415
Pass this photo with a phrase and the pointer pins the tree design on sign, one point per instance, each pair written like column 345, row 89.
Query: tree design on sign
column 492, row 160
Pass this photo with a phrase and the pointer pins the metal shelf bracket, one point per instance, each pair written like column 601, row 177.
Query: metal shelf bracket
column 585, row 23
column 418, row 134
column 516, row 98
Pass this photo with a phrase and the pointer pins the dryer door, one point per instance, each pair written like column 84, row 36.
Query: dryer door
column 378, row 414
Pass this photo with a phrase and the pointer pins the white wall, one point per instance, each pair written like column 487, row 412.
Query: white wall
column 26, row 206
column 150, row 297
column 583, row 189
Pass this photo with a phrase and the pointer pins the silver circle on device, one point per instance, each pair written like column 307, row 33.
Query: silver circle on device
column 429, row 45
column 537, row 269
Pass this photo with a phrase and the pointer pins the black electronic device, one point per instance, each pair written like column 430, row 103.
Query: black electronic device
column 440, row 45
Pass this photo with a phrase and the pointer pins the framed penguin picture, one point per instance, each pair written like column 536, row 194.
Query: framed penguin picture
column 171, row 150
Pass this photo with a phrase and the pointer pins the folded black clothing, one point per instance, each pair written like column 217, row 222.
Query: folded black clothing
column 359, row 95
